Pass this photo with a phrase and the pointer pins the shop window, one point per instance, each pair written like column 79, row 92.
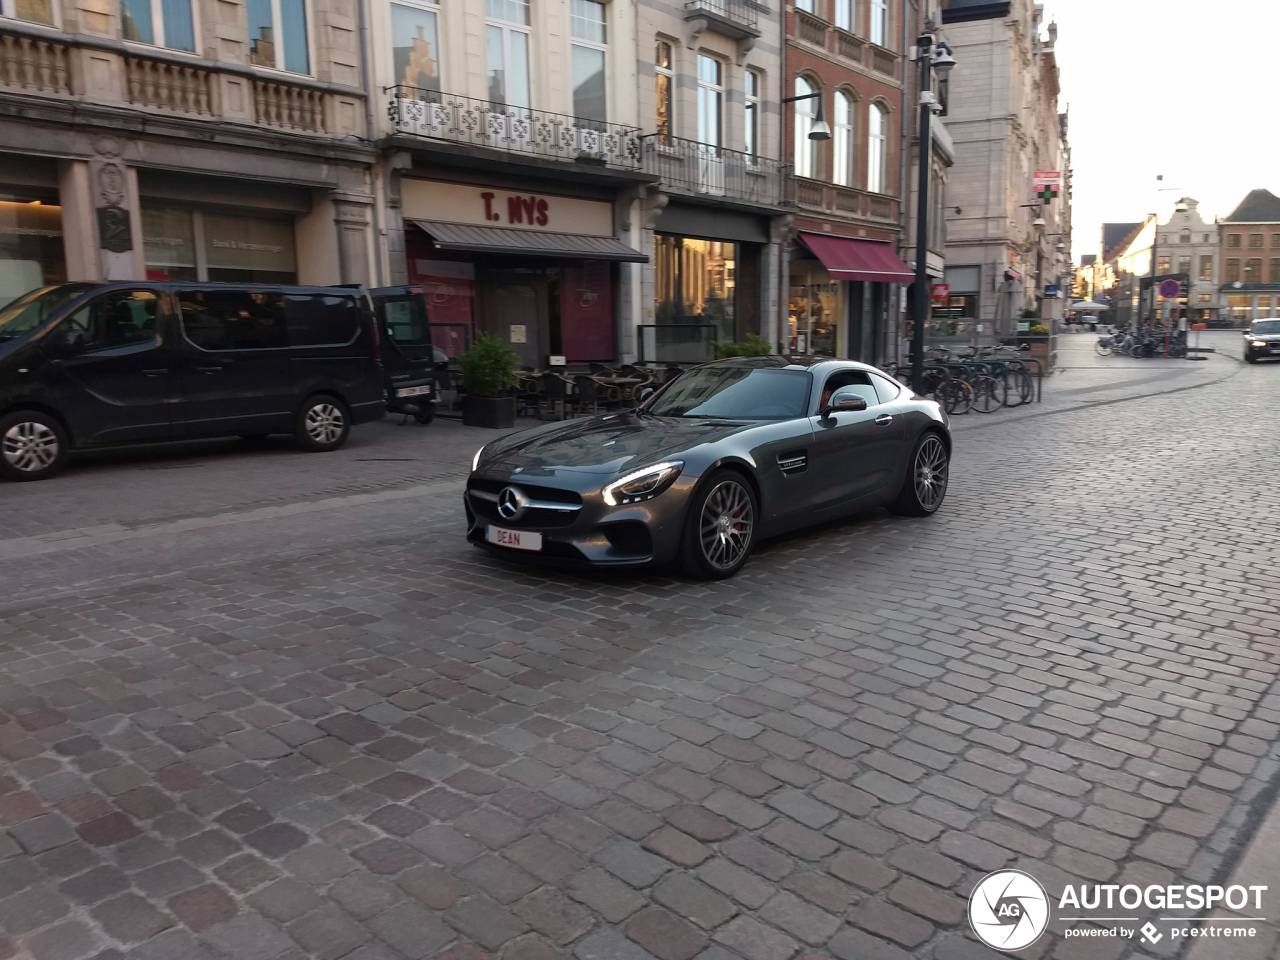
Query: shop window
column 217, row 320
column 697, row 283
column 842, row 130
column 278, row 34
column 165, row 23
column 877, row 148
column 37, row 11
column 751, row 85
column 506, row 43
column 31, row 248
column 194, row 245
column 317, row 321
column 415, row 48
column 586, row 21
column 664, row 91
column 120, row 318
column 806, row 150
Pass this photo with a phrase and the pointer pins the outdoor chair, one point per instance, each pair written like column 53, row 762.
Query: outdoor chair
column 554, row 397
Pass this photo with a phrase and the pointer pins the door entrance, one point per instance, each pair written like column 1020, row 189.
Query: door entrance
column 514, row 307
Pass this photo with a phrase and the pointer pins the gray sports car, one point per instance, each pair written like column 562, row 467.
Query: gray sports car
column 725, row 455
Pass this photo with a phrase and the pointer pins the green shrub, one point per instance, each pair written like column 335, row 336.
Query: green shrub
column 754, row 346
column 489, row 367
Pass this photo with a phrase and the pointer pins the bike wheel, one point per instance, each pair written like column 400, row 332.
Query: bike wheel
column 988, row 394
column 960, row 399
column 1023, row 387
column 1104, row 349
column 1136, row 351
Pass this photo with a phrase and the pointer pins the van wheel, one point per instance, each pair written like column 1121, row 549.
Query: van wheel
column 323, row 424
column 33, row 446
column 426, row 414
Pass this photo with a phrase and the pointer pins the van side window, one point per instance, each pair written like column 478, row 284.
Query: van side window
column 117, row 319
column 321, row 320
column 233, row 319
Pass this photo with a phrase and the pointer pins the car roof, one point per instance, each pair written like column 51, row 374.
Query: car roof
column 813, row 363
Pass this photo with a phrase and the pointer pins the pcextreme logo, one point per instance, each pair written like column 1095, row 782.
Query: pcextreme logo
column 1010, row 910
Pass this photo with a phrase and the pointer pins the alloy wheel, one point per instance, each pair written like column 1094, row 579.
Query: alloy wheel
column 726, row 524
column 931, row 473
column 30, row 446
column 324, row 423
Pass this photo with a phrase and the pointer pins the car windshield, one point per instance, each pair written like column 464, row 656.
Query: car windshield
column 1261, row 327
column 29, row 311
column 735, row 393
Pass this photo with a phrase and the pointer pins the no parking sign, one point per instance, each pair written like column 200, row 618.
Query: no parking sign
column 1170, row 289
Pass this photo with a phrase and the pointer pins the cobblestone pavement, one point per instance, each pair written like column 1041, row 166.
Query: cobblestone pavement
column 320, row 725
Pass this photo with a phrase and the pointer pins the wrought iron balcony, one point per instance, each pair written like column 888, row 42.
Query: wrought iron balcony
column 701, row 169
column 736, row 19
column 518, row 130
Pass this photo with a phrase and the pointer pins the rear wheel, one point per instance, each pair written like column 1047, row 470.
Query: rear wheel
column 989, row 394
column 323, row 424
column 1104, row 349
column 720, row 530
column 426, row 414
column 925, row 485
column 33, row 446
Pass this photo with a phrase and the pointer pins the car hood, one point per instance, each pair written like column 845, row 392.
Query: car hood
column 1267, row 337
column 609, row 444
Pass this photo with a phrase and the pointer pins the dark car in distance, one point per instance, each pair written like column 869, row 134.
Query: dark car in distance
column 86, row 365
column 725, row 455
column 1262, row 339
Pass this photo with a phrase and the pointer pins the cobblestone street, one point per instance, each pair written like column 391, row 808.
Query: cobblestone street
column 256, row 705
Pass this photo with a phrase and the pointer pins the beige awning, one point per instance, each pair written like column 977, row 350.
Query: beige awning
column 530, row 243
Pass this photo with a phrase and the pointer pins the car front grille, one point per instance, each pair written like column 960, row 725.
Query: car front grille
column 483, row 497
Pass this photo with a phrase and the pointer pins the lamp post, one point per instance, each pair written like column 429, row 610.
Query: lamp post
column 820, row 130
column 933, row 55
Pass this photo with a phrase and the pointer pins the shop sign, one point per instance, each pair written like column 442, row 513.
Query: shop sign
column 941, row 291
column 511, row 209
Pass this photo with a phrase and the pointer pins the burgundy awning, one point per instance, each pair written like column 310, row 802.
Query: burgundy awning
column 847, row 259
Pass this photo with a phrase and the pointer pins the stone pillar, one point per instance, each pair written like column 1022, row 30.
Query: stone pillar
column 352, row 219
column 79, row 229
column 319, row 262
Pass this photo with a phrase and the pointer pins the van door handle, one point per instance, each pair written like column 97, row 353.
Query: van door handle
column 884, row 420
column 158, row 372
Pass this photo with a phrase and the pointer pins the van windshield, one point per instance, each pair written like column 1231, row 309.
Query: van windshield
column 29, row 311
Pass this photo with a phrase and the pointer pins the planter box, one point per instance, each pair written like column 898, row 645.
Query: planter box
column 497, row 413
column 1042, row 348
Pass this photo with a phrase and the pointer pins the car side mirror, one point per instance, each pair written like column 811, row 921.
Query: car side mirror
column 644, row 394
column 844, row 400
column 67, row 341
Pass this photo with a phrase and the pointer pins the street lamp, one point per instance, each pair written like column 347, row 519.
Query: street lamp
column 934, row 56
column 820, row 130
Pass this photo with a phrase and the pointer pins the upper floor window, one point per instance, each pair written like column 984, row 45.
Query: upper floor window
column 806, row 153
column 586, row 22
column 1232, row 273
column 166, row 23
column 664, row 91
column 277, row 34
column 1275, row 241
column 1206, row 268
column 414, row 46
column 844, row 14
column 1255, row 240
column 37, row 11
column 710, row 99
column 1233, row 239
column 751, row 84
column 842, row 136
column 808, row 6
column 877, row 148
column 1185, row 237
column 506, row 48
column 880, row 22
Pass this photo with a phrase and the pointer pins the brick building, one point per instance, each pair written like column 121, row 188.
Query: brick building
column 1249, row 239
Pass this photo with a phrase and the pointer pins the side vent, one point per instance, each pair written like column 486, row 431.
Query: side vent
column 793, row 462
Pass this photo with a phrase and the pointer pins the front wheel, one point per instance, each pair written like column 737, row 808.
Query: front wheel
column 925, row 485
column 1104, row 349
column 1249, row 357
column 721, row 527
column 323, row 424
column 33, row 446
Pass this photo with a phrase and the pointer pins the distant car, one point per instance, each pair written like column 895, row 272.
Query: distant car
column 721, row 457
column 1262, row 339
column 98, row 364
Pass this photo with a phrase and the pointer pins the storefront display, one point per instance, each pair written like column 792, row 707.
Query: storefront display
column 183, row 244
column 816, row 307
column 31, row 247
column 696, row 283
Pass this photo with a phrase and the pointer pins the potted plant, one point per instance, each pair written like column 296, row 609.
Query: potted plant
column 488, row 377
column 753, row 346
column 1035, row 334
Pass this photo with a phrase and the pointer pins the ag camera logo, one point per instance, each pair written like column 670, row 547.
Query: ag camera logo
column 1008, row 910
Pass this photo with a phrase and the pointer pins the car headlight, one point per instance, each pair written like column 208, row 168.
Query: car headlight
column 475, row 461
column 643, row 484
column 1259, row 343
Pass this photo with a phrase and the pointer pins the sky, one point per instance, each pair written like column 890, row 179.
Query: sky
column 1180, row 88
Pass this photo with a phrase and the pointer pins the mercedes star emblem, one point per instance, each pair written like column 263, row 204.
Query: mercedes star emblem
column 510, row 503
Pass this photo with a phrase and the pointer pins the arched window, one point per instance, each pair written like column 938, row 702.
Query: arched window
column 877, row 147
column 842, row 133
column 806, row 153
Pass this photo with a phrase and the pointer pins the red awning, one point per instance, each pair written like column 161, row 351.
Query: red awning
column 847, row 259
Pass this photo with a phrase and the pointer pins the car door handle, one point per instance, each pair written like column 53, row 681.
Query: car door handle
column 216, row 369
column 158, row 372
column 884, row 419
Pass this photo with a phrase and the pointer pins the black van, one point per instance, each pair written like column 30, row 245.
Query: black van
column 95, row 364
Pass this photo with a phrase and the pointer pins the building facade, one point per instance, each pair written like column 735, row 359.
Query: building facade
column 1185, row 243
column 1249, row 251
column 1004, row 119
column 183, row 140
column 844, row 276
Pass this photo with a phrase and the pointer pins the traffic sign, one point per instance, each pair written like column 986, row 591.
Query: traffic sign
column 1170, row 289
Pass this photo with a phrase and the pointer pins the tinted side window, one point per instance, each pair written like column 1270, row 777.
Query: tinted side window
column 321, row 320
column 405, row 319
column 117, row 319
column 233, row 319
column 886, row 390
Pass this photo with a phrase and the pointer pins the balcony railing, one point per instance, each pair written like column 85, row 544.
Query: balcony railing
column 701, row 169
column 496, row 126
column 733, row 18
column 823, row 197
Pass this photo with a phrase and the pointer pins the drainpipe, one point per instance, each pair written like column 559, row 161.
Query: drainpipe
column 895, row 302
column 379, row 237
